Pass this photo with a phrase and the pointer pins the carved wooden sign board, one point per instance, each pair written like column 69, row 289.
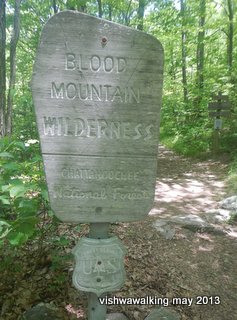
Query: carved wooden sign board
column 97, row 94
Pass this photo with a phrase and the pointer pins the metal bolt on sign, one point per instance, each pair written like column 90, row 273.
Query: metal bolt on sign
column 97, row 89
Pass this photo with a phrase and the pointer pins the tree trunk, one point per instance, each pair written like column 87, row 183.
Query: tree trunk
column 12, row 80
column 55, row 9
column 100, row 8
column 110, row 12
column 184, row 51
column 172, row 71
column 140, row 13
column 126, row 17
column 2, row 67
column 230, row 37
column 200, row 48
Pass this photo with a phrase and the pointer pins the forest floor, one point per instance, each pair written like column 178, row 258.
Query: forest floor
column 185, row 262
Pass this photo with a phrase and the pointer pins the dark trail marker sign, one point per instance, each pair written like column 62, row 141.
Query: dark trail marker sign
column 97, row 94
column 218, row 108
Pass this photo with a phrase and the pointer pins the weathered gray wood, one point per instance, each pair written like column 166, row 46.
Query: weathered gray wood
column 220, row 97
column 219, row 114
column 219, row 105
column 87, row 188
column 97, row 94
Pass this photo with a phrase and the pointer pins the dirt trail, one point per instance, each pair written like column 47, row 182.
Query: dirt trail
column 195, row 263
column 187, row 186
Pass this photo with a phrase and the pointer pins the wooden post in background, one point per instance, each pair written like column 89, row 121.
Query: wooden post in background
column 220, row 107
column 216, row 141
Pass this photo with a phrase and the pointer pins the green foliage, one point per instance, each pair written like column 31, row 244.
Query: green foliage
column 60, row 259
column 186, row 130
column 21, row 190
column 233, row 219
column 187, row 127
column 232, row 176
column 10, row 260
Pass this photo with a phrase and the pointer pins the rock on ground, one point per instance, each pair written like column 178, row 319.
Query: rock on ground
column 41, row 311
column 229, row 203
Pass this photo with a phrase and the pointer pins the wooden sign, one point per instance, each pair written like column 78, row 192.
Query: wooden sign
column 219, row 114
column 99, row 265
column 97, row 92
column 220, row 97
column 219, row 105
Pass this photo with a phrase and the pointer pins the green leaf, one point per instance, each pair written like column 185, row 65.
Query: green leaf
column 17, row 238
column 20, row 145
column 5, row 187
column 17, row 191
column 44, row 194
column 26, row 228
column 12, row 166
column 51, row 214
column 22, row 229
column 31, row 220
column 25, row 225
column 37, row 158
column 78, row 228
column 16, row 182
column 63, row 241
column 6, row 155
column 5, row 228
column 28, row 205
column 5, row 199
